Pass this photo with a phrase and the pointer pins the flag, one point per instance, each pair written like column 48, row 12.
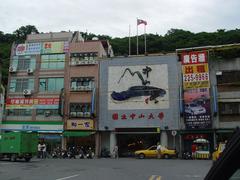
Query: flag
column 140, row 21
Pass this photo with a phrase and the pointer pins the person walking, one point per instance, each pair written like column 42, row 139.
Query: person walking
column 159, row 148
column 115, row 152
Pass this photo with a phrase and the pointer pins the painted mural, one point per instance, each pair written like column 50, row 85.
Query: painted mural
column 138, row 87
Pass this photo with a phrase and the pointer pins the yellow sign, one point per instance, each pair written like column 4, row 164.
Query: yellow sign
column 195, row 85
column 87, row 124
column 196, row 68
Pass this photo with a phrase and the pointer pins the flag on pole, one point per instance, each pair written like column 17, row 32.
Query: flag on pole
column 140, row 21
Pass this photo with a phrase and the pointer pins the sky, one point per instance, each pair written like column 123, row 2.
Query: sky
column 114, row 17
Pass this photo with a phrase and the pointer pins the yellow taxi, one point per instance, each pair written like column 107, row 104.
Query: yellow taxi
column 151, row 152
column 216, row 154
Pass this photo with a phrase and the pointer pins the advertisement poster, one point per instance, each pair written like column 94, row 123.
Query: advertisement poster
column 32, row 103
column 197, row 108
column 138, row 87
column 28, row 49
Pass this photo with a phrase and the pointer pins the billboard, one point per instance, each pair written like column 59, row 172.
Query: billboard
column 32, row 103
column 196, row 95
column 138, row 87
column 28, row 49
column 197, row 108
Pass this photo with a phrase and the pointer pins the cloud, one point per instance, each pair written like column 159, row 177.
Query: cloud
column 113, row 17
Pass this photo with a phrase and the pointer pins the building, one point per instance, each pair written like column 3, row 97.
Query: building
column 53, row 86
column 139, row 102
column 210, row 93
column 81, row 92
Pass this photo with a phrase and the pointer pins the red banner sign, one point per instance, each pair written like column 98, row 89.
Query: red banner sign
column 32, row 101
column 194, row 57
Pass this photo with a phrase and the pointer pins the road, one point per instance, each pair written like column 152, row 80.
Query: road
column 105, row 169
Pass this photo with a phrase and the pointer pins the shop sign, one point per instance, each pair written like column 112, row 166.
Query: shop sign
column 195, row 57
column 197, row 108
column 28, row 49
column 195, row 136
column 87, row 124
column 137, row 116
column 32, row 103
column 55, row 47
column 32, row 127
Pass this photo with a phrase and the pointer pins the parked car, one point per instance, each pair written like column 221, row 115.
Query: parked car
column 151, row 152
column 216, row 154
column 194, row 109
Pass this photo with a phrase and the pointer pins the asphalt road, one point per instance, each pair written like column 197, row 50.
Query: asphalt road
column 105, row 169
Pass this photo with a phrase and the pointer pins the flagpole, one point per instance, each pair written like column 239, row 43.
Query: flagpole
column 137, row 37
column 145, row 39
column 129, row 49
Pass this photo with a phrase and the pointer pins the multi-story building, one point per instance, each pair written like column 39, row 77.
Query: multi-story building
column 139, row 102
column 53, row 84
column 36, row 77
column 210, row 93
column 81, row 92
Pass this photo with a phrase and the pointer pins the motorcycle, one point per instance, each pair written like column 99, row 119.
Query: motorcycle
column 187, row 155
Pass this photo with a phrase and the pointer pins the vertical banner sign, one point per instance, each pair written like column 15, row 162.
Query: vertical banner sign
column 197, row 111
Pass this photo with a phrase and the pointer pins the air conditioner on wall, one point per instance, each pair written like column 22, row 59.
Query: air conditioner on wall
column 27, row 92
column 29, row 71
column 12, row 69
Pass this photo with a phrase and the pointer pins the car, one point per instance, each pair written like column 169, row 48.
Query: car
column 151, row 152
column 227, row 165
column 216, row 154
column 194, row 109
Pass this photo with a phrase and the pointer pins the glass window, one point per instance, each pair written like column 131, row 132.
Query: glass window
column 18, row 85
column 47, row 112
column 53, row 61
column 51, row 84
column 79, row 109
column 19, row 112
column 24, row 62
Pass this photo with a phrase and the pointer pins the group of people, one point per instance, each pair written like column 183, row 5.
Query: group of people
column 42, row 150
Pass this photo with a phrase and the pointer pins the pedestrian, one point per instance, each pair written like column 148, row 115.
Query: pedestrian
column 159, row 148
column 44, row 151
column 115, row 152
column 39, row 150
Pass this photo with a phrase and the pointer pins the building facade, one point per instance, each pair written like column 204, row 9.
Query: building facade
column 36, row 77
column 81, row 92
column 139, row 103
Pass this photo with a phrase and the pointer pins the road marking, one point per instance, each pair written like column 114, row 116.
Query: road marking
column 154, row 177
column 68, row 177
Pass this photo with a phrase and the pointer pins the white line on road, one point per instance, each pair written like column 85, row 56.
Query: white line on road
column 68, row 177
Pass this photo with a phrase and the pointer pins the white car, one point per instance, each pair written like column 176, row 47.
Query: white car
column 194, row 109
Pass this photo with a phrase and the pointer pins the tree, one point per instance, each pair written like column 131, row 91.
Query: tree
column 23, row 31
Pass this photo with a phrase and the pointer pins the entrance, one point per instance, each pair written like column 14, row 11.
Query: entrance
column 129, row 143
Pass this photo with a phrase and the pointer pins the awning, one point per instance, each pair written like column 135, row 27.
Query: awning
column 77, row 133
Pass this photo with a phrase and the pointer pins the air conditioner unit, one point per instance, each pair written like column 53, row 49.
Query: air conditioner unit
column 29, row 71
column 12, row 69
column 27, row 92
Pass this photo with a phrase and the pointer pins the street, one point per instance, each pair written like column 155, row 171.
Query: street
column 105, row 169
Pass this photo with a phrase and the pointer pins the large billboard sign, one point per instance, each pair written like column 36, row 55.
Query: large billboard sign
column 196, row 84
column 42, row 48
column 32, row 103
column 138, row 87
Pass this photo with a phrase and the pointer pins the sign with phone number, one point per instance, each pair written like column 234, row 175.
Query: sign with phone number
column 196, row 77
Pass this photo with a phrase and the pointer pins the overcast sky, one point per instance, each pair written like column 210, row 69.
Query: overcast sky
column 113, row 17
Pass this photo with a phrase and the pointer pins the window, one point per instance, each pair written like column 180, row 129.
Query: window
column 80, row 110
column 47, row 112
column 24, row 62
column 88, row 57
column 18, row 85
column 229, row 78
column 229, row 108
column 53, row 61
column 51, row 84
column 19, row 112
column 80, row 83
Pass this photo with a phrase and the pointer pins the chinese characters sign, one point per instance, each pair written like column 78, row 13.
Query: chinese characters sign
column 197, row 111
column 32, row 103
column 138, row 116
column 42, row 48
column 80, row 124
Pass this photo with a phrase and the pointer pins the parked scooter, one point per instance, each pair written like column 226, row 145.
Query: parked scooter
column 187, row 155
column 90, row 153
